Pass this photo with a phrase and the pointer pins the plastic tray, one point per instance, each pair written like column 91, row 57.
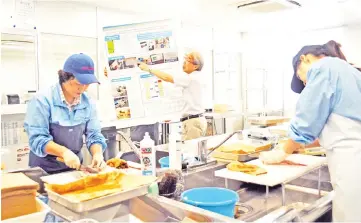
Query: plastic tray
column 98, row 202
column 235, row 157
column 258, row 147
column 34, row 173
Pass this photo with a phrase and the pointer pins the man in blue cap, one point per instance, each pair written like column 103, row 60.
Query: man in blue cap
column 58, row 117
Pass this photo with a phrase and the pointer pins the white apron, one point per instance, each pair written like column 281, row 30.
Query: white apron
column 342, row 139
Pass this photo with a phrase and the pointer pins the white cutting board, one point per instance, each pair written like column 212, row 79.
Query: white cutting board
column 276, row 174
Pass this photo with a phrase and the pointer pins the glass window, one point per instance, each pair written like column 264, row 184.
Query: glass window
column 254, row 100
column 227, row 79
column 55, row 49
column 274, row 81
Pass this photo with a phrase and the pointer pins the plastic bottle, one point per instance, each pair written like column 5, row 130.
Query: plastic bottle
column 175, row 154
column 147, row 153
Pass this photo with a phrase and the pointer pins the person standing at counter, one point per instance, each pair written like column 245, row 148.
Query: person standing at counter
column 193, row 123
column 329, row 108
column 58, row 117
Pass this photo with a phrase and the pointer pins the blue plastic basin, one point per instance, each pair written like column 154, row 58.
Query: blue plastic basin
column 218, row 200
column 164, row 162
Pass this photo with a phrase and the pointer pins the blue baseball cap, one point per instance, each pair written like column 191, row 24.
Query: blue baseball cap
column 296, row 84
column 82, row 67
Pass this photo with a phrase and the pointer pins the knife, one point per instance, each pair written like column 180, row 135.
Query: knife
column 82, row 167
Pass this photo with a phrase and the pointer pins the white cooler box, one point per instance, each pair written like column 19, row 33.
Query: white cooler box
column 39, row 216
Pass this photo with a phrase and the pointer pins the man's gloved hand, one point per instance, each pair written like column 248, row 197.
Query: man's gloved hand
column 276, row 155
column 71, row 160
column 98, row 161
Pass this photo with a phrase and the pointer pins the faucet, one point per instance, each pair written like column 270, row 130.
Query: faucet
column 202, row 150
column 131, row 145
column 203, row 154
column 224, row 141
column 202, row 145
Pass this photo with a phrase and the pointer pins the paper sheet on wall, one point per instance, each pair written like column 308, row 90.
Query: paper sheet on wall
column 137, row 93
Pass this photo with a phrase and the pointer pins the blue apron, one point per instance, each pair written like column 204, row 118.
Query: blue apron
column 69, row 136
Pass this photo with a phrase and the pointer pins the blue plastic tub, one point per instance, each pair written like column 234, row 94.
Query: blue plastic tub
column 218, row 200
column 164, row 162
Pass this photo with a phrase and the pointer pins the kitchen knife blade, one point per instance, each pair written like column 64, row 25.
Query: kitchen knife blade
column 82, row 167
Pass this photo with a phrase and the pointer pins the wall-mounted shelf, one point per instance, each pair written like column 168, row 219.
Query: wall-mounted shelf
column 14, row 109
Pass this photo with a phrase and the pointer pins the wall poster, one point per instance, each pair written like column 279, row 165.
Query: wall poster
column 137, row 93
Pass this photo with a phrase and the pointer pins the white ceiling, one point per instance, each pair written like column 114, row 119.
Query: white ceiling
column 313, row 14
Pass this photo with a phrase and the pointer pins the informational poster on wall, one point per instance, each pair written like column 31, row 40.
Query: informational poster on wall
column 137, row 93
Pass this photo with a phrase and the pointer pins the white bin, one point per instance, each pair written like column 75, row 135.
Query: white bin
column 34, row 217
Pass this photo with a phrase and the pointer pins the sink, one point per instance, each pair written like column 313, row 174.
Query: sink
column 202, row 176
column 252, row 197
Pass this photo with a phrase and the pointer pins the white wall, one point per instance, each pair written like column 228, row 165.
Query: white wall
column 271, row 50
column 192, row 35
column 57, row 17
column 351, row 45
column 66, row 18
column 65, row 28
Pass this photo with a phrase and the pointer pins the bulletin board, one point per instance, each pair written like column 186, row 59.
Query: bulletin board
column 136, row 93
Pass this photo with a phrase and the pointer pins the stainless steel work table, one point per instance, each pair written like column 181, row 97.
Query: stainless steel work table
column 253, row 203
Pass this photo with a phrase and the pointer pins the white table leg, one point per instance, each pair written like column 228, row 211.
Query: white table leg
column 283, row 195
column 267, row 192
column 226, row 183
column 214, row 127
column 319, row 181
column 224, row 125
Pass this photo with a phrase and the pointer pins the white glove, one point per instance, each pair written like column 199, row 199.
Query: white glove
column 275, row 156
column 98, row 161
column 71, row 160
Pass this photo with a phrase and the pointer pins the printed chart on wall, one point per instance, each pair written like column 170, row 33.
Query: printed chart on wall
column 137, row 93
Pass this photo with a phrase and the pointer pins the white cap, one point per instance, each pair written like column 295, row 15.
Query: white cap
column 146, row 135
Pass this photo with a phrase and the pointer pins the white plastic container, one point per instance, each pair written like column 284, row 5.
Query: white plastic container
column 34, row 217
column 175, row 153
column 147, row 153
